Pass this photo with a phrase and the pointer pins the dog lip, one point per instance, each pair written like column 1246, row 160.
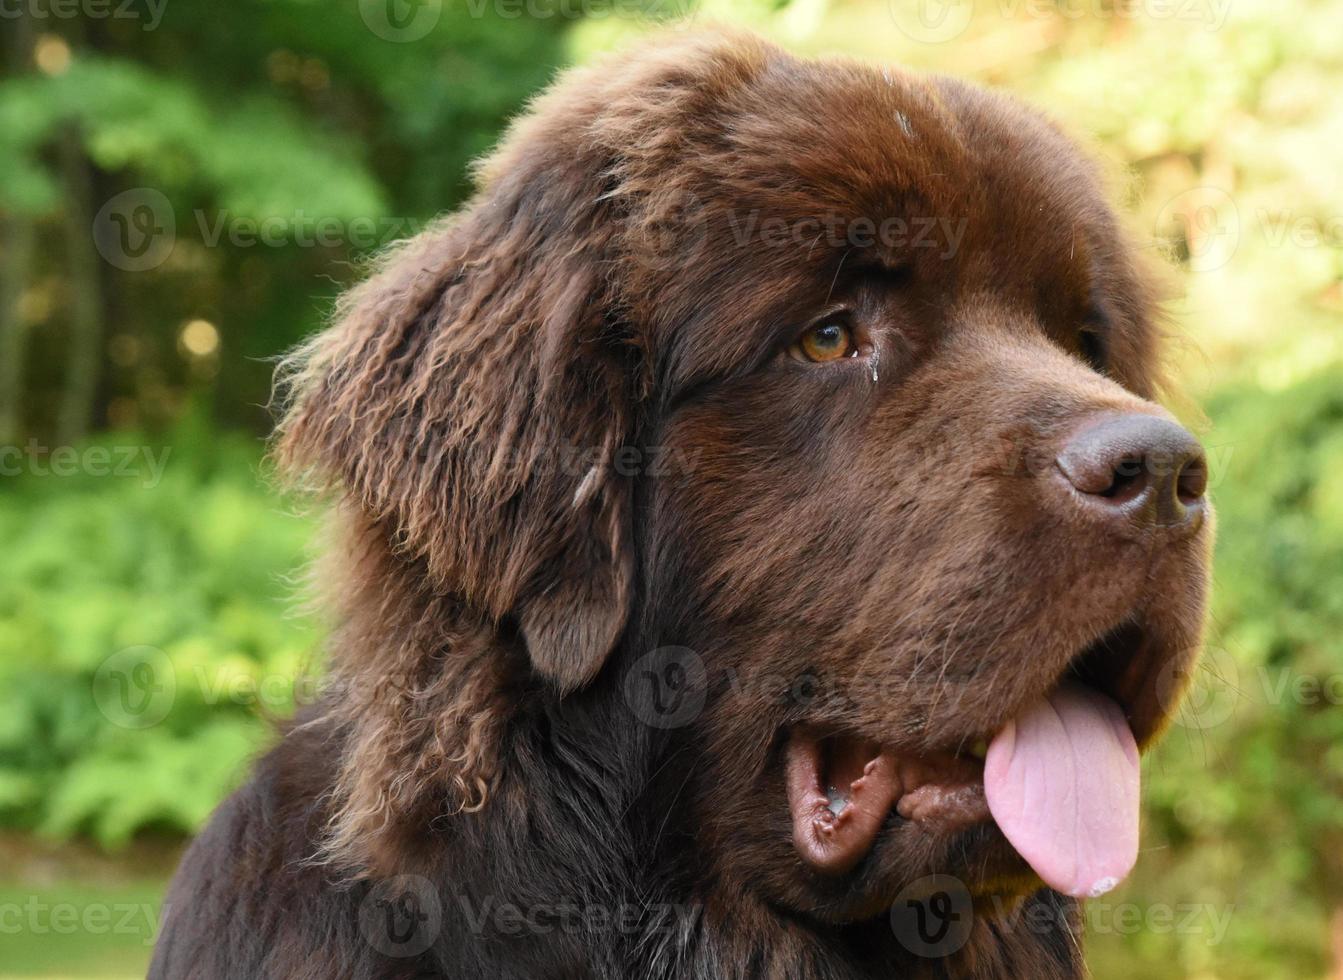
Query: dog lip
column 1126, row 663
column 936, row 788
column 842, row 789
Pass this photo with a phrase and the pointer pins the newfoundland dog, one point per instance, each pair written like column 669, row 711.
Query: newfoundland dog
column 756, row 551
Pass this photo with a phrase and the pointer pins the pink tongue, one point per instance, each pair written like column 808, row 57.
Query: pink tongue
column 1062, row 782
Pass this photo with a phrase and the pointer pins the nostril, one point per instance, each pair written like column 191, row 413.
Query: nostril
column 1138, row 468
column 1192, row 483
column 1128, row 480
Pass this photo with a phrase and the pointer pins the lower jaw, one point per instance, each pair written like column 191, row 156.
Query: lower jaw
column 907, row 862
column 978, row 857
column 843, row 790
column 845, row 793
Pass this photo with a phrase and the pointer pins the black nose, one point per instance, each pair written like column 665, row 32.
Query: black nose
column 1138, row 467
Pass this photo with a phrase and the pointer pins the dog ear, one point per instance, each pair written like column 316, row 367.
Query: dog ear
column 473, row 394
column 471, row 397
column 468, row 407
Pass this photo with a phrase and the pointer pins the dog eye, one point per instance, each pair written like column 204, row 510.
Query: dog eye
column 829, row 340
column 1092, row 345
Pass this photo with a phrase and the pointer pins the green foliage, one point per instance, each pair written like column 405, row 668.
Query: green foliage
column 194, row 569
column 256, row 159
column 1245, row 791
column 293, row 114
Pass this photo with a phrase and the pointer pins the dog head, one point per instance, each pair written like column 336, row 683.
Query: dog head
column 819, row 394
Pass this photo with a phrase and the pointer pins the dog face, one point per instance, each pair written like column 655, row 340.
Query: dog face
column 874, row 541
column 898, row 363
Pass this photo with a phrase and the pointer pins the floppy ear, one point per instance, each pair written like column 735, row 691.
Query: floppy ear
column 467, row 407
column 470, row 398
column 472, row 395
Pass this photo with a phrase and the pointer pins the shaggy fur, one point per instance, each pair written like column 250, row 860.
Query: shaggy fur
column 578, row 477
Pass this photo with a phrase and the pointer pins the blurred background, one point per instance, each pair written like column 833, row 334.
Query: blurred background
column 186, row 185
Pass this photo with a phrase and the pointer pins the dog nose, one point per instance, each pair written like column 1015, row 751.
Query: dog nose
column 1140, row 467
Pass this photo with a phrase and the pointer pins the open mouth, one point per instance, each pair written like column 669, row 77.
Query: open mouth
column 1059, row 778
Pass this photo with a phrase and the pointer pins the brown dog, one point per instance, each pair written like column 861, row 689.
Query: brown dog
column 760, row 556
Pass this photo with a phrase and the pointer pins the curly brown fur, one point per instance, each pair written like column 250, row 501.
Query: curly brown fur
column 565, row 446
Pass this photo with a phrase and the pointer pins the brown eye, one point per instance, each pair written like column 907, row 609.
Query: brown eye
column 1092, row 345
column 830, row 340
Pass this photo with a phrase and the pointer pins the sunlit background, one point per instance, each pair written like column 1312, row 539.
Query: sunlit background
column 185, row 185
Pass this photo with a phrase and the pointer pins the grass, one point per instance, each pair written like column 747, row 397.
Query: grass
column 71, row 929
column 67, row 911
